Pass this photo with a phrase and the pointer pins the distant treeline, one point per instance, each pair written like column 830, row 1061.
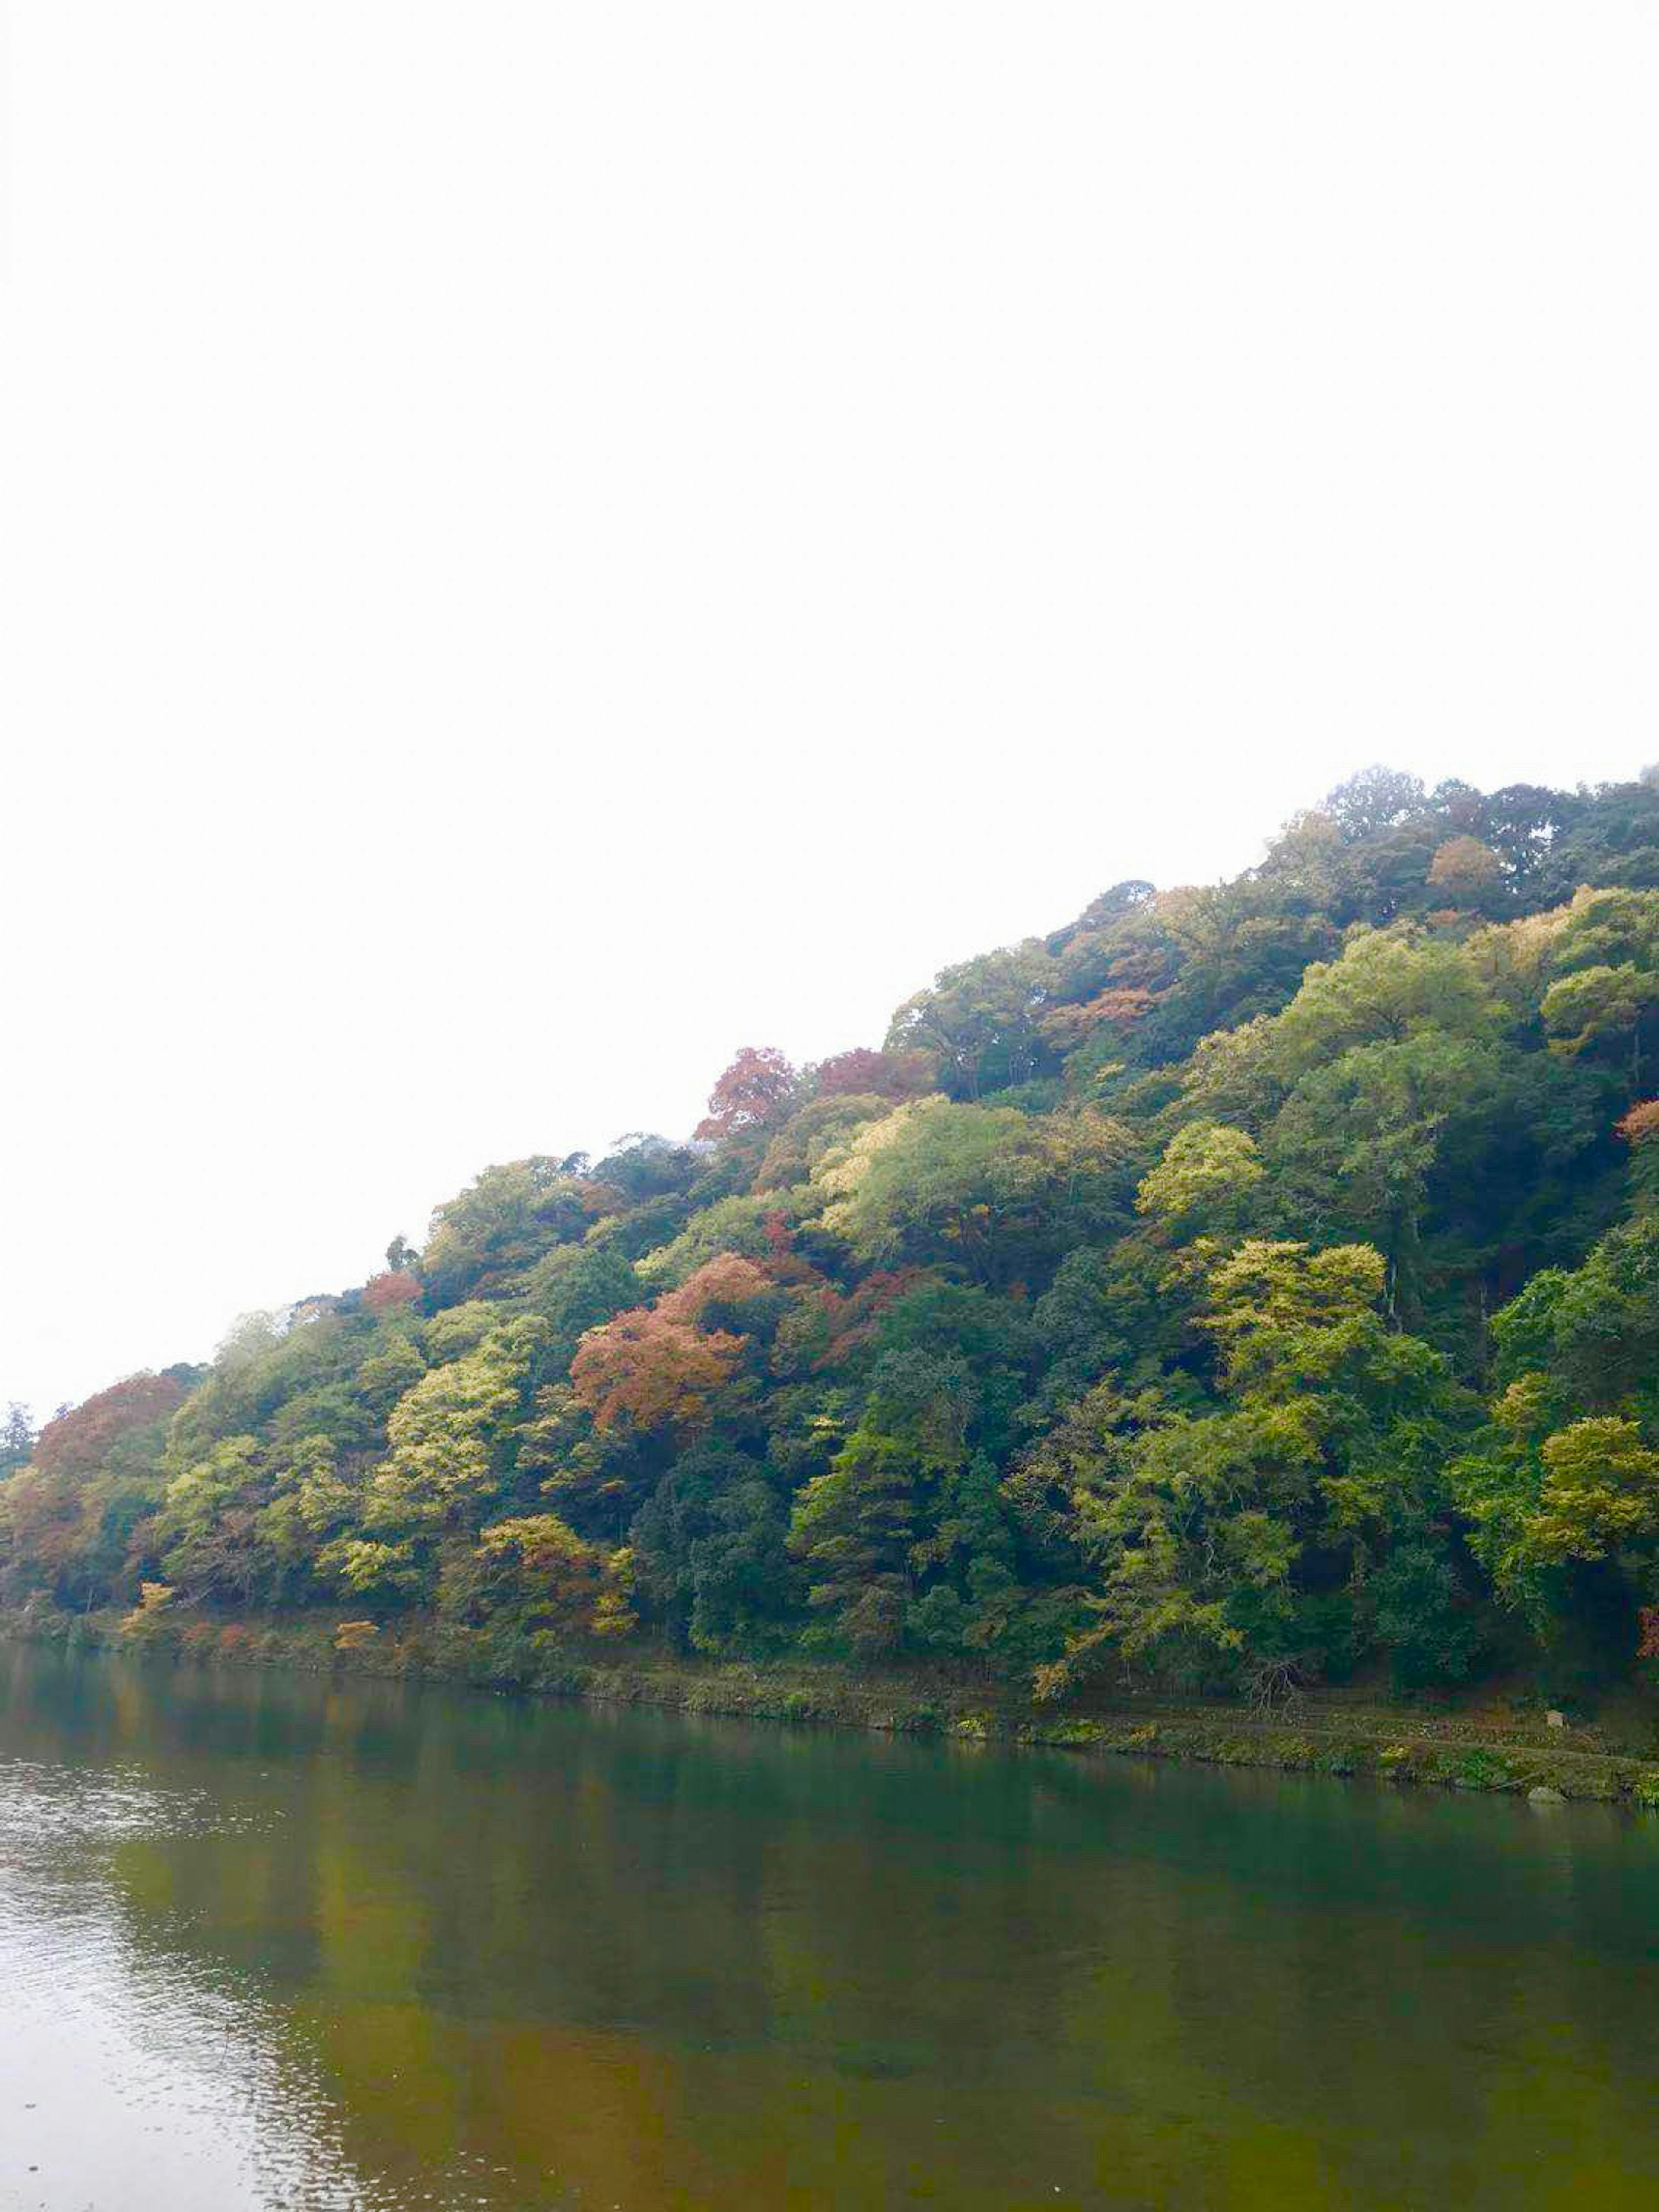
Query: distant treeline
column 1240, row 1287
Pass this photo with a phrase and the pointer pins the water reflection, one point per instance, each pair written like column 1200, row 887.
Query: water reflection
column 272, row 1941
column 124, row 2056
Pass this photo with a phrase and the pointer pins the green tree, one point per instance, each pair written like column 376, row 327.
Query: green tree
column 1239, row 1542
column 982, row 1021
column 711, row 1554
column 855, row 1529
column 451, row 1438
column 1207, row 1184
column 996, row 1191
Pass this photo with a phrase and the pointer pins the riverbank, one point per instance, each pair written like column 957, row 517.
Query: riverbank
column 1509, row 1753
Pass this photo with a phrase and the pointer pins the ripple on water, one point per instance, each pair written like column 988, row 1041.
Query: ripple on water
column 201, row 2103
column 42, row 1804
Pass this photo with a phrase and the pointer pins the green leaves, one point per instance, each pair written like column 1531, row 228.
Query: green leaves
column 989, row 1188
column 1600, row 1491
column 928, row 1351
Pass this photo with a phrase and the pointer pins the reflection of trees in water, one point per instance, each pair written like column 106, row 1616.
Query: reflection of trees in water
column 137, row 2074
column 663, row 1962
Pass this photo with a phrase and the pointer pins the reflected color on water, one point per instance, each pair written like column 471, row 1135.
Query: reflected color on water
column 267, row 1941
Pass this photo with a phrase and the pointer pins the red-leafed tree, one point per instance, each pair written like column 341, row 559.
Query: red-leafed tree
column 78, row 1443
column 397, row 1287
column 654, row 1373
column 94, row 1469
column 727, row 1280
column 749, row 1092
column 865, row 1074
column 1118, row 1008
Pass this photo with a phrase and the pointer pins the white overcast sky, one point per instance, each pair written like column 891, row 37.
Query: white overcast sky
column 545, row 542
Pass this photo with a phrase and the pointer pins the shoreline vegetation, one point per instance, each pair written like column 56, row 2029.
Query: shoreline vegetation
column 1508, row 1752
column 1239, row 1304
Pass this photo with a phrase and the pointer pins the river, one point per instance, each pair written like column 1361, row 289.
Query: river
column 271, row 1940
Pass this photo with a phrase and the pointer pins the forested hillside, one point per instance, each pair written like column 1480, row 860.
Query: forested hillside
column 1238, row 1287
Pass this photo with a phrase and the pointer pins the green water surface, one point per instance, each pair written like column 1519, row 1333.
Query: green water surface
column 272, row 1941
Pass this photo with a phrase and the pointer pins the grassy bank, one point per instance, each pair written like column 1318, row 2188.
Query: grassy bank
column 1493, row 1748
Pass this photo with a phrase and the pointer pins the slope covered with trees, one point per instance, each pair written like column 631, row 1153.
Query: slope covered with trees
column 1239, row 1287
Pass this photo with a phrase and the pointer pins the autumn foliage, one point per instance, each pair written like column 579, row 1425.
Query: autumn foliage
column 1118, row 1008
column 727, row 1280
column 862, row 1073
column 750, row 1091
column 1464, row 867
column 77, row 1443
column 656, row 1367
column 652, row 1371
column 1238, row 1284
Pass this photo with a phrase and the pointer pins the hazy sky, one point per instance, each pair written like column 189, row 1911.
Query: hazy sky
column 545, row 542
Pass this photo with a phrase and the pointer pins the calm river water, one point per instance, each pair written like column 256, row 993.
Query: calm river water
column 267, row 1941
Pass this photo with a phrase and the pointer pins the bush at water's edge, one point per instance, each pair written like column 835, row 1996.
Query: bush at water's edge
column 1402, row 1746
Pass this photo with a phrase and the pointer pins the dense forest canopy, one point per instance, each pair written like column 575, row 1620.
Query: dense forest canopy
column 1241, row 1286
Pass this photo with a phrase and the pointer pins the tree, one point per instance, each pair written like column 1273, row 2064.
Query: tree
column 855, row 1529
column 1356, row 1145
column 502, row 1222
column 1640, row 1130
column 531, row 1574
column 1377, row 799
column 654, row 1373
column 709, row 1549
column 1423, row 1618
column 971, row 1602
column 1467, row 872
column 812, row 1133
column 1605, row 996
column 395, row 1366
column 1240, row 1282
column 980, row 1023
column 16, row 1439
column 203, row 1535
column 94, row 1473
column 749, row 1093
column 1236, row 1545
column 580, row 1288
column 452, row 1437
column 1386, row 988
column 997, row 1190
column 1389, row 987
column 862, row 1073
column 78, row 1444
column 1596, row 1330
column 1600, row 1491
column 728, row 1285
column 1205, row 1183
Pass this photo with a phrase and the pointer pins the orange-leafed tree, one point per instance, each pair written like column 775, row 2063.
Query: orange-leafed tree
column 78, row 1443
column 1640, row 1130
column 1466, row 870
column 397, row 1287
column 749, row 1092
column 727, row 1280
column 863, row 1073
column 653, row 1371
column 94, row 1473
